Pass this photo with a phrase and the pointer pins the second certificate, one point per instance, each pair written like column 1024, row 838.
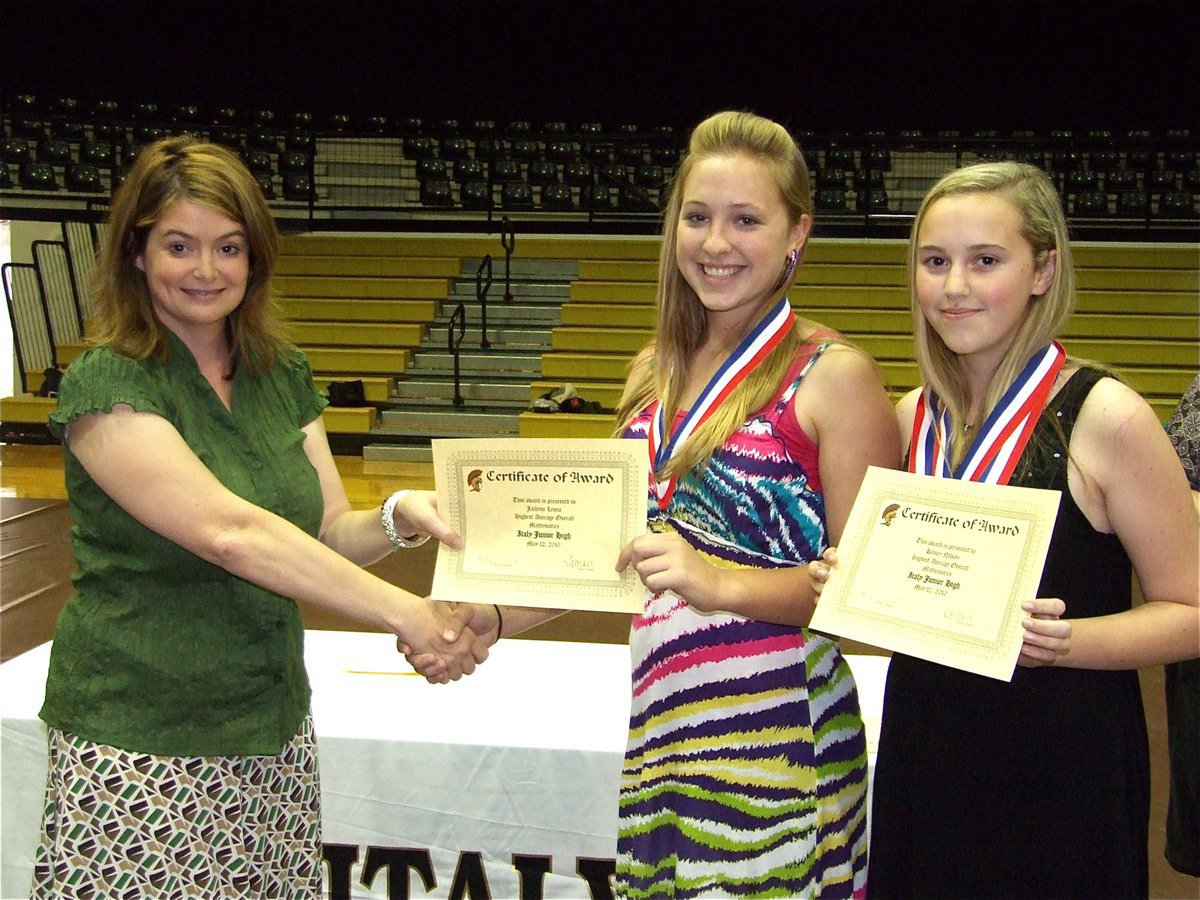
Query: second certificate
column 542, row 521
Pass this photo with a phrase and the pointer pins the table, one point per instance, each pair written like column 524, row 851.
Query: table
column 507, row 778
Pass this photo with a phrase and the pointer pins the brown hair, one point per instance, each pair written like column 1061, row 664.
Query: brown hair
column 184, row 168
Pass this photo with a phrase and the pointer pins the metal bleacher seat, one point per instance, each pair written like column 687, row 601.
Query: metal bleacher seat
column 38, row 176
column 557, row 197
column 516, row 195
column 542, row 172
column 475, row 194
column 83, row 178
column 1132, row 204
column 436, row 192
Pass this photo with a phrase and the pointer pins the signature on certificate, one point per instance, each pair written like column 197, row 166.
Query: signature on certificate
column 581, row 565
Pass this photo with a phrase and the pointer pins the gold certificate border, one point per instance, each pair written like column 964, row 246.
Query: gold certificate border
column 607, row 591
column 993, row 654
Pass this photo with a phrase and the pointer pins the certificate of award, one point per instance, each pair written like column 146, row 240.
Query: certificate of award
column 543, row 521
column 938, row 568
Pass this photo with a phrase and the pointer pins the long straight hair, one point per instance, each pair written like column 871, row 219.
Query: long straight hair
column 184, row 168
column 661, row 369
column 1044, row 227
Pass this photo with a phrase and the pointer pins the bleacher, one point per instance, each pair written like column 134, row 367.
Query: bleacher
column 573, row 209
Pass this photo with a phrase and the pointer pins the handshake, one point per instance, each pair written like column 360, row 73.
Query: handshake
column 453, row 640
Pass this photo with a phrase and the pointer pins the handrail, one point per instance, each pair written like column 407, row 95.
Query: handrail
column 454, row 342
column 508, row 240
column 481, row 292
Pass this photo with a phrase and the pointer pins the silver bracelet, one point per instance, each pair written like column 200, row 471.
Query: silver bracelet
column 387, row 516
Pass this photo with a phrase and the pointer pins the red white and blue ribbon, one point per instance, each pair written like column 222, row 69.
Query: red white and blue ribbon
column 999, row 443
column 753, row 348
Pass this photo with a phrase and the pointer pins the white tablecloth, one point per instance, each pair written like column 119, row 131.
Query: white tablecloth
column 485, row 778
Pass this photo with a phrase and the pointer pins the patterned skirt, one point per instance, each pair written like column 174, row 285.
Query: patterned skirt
column 120, row 824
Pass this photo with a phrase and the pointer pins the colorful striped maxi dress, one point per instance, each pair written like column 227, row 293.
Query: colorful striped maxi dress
column 746, row 768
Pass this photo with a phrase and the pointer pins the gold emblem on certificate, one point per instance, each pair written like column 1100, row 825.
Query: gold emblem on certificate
column 542, row 521
column 938, row 568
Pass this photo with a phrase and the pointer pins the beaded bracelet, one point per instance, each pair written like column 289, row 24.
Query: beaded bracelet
column 387, row 516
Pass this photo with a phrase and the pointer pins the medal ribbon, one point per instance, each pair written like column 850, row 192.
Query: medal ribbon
column 753, row 348
column 998, row 445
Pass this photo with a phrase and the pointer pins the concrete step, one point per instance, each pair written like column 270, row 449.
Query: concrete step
column 417, row 391
column 508, row 337
column 540, row 314
column 457, row 422
column 524, row 268
column 477, row 363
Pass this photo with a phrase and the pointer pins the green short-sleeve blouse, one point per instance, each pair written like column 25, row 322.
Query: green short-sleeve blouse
column 160, row 651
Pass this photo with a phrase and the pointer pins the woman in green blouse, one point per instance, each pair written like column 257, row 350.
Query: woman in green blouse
column 206, row 505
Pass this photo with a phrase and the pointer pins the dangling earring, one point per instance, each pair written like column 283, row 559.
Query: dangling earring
column 788, row 268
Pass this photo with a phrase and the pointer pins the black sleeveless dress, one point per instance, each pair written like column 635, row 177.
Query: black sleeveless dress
column 1038, row 787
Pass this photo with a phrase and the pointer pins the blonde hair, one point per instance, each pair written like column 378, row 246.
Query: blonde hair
column 663, row 366
column 1044, row 227
column 184, row 168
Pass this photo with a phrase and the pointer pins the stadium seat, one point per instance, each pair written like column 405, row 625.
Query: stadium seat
column 469, row 170
column 834, row 179
column 1081, row 180
column 812, row 158
column 1104, row 161
column 475, row 194
column 516, row 195
column 872, row 201
column 1132, row 204
column 301, row 120
column 839, row 158
column 436, row 192
column 831, row 200
column 430, row 169
column 482, row 129
column 225, row 135
column 664, row 155
column 293, row 162
column 1179, row 160
column 554, row 130
column 519, row 129
column 557, row 197
column 505, row 170
column 490, row 149
column 578, row 173
column 1138, row 160
column 454, row 147
column 266, row 184
column 633, row 198
column 16, row 149
column 1176, row 205
column 616, row 174
column 67, row 129
column 259, row 162
column 868, row 179
column 38, row 176
column 6, row 181
column 1121, row 180
column 95, row 153
column 262, row 137
column 591, row 129
column 651, row 176
column 30, row 129
column 597, row 198
column 1163, row 180
column 297, row 187
column 338, row 123
column 1090, row 204
column 376, row 125
column 879, row 159
column 446, row 128
column 560, row 151
column 542, row 172
column 299, row 142
column 417, row 147
column 632, row 154
column 84, row 178
column 597, row 153
column 524, row 149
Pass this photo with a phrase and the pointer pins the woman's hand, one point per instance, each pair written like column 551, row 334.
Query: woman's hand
column 1047, row 635
column 666, row 562
column 467, row 631
column 818, row 570
column 417, row 513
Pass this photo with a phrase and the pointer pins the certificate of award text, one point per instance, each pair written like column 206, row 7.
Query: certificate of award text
column 543, row 521
column 938, row 568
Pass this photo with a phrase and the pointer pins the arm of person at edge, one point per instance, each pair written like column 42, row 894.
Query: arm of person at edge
column 1125, row 477
column 142, row 462
column 843, row 406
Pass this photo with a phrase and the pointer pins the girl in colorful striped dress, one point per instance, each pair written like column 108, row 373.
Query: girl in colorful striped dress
column 745, row 773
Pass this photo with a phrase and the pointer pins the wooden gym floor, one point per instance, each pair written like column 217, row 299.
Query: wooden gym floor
column 35, row 566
